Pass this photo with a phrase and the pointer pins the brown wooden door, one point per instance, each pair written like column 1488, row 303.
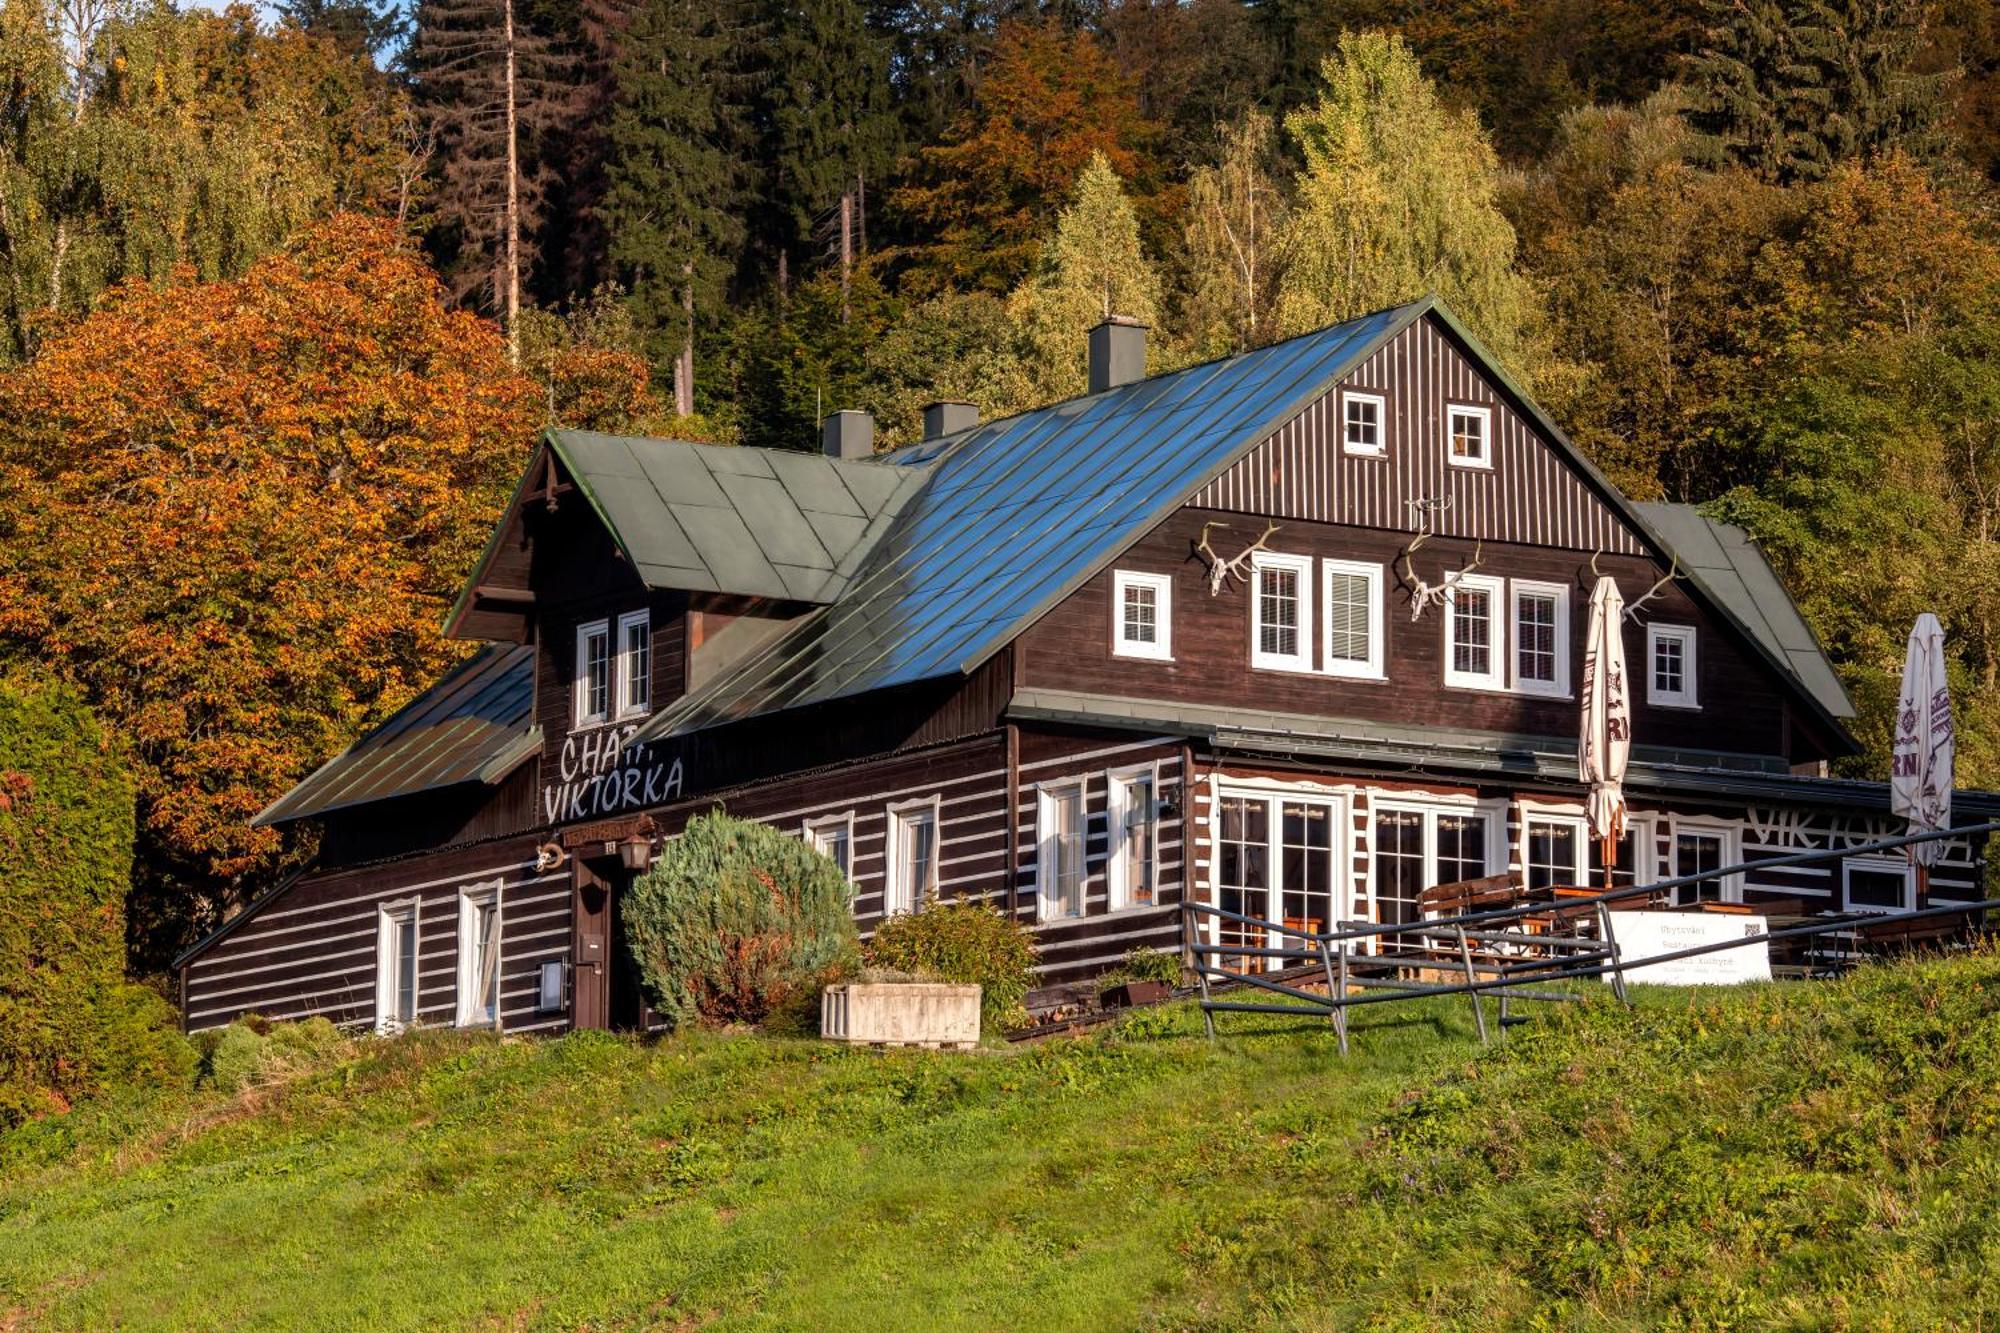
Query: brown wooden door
column 590, row 1002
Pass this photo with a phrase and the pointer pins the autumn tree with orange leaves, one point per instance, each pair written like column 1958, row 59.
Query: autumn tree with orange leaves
column 235, row 513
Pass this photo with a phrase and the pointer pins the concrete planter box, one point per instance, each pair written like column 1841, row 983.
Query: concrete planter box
column 901, row 1014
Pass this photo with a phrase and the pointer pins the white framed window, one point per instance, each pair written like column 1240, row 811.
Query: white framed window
column 1279, row 855
column 1281, row 611
column 1475, row 634
column 1555, row 850
column 1353, row 630
column 593, row 672
column 1671, row 666
column 1878, row 884
column 913, row 856
column 1143, row 615
column 635, row 663
column 1541, row 638
column 1363, row 423
column 832, row 836
column 1636, row 859
column 1699, row 848
column 1469, row 435
column 1417, row 845
column 479, row 955
column 395, row 966
column 1062, row 826
column 1132, row 816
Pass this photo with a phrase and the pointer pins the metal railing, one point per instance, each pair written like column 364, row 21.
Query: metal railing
column 1558, row 958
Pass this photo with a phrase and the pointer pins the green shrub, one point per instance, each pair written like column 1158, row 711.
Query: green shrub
column 963, row 942
column 1148, row 965
column 70, row 1024
column 739, row 923
column 252, row 1052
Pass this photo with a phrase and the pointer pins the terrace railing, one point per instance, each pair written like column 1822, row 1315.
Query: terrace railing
column 1510, row 961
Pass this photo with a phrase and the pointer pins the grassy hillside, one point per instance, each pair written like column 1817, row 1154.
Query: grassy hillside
column 1820, row 1156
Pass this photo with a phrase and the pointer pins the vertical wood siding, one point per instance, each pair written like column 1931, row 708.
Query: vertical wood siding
column 1530, row 495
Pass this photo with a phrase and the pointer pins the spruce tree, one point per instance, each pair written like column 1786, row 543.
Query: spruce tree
column 1792, row 88
column 676, row 182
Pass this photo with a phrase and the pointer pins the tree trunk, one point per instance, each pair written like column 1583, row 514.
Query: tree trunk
column 846, row 249
column 512, row 240
column 684, row 363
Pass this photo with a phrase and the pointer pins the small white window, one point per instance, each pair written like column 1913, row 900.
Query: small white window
column 1060, row 869
column 593, row 673
column 1143, row 605
column 1878, row 884
column 1281, row 611
column 833, row 838
column 478, row 955
column 395, row 967
column 1670, row 666
column 1361, row 419
column 1133, row 818
column 635, row 663
column 1541, row 638
column 1470, row 431
column 1475, row 634
column 1699, row 849
column 913, row 857
column 1353, row 619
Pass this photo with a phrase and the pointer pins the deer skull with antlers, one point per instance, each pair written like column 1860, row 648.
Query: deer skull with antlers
column 1220, row 571
column 1632, row 607
column 1423, row 593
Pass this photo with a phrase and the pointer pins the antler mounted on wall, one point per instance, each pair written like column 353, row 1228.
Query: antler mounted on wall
column 1220, row 571
column 1424, row 593
column 1673, row 572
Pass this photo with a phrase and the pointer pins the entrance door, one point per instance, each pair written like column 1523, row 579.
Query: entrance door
column 591, row 995
column 1275, row 862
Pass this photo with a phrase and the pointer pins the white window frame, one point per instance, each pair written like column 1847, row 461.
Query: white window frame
column 1580, row 871
column 1381, row 404
column 1047, row 906
column 1497, row 851
column 896, row 895
column 1687, row 697
column 1118, row 877
column 584, row 633
column 1273, row 794
column 1261, row 563
column 1881, row 865
column 470, row 899
column 1484, row 415
column 387, row 917
column 621, row 666
column 1162, row 587
column 813, row 832
column 1371, row 668
column 1495, row 676
column 1732, row 853
column 1559, row 687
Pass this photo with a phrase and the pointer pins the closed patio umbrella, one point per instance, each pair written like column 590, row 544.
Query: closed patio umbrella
column 1920, row 775
column 1606, row 739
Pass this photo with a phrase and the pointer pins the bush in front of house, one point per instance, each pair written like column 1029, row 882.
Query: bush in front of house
column 963, row 942
column 739, row 923
column 255, row 1053
column 71, row 1025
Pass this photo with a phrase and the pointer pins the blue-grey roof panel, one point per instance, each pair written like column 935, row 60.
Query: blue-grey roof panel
column 1016, row 513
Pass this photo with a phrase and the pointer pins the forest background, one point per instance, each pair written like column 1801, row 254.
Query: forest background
column 286, row 296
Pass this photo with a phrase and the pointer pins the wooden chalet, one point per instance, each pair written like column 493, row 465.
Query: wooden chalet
column 1294, row 632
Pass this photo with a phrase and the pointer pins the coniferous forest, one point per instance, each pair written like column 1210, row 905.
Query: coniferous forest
column 285, row 297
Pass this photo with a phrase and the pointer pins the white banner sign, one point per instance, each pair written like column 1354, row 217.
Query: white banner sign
column 1643, row 935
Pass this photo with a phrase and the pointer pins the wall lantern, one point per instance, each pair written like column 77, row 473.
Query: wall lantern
column 636, row 853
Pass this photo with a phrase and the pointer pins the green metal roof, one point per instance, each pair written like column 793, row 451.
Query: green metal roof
column 746, row 522
column 475, row 725
column 1727, row 563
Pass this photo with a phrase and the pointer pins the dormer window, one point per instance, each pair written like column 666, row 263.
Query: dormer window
column 593, row 673
column 1470, row 430
column 635, row 664
column 614, row 669
column 1144, row 610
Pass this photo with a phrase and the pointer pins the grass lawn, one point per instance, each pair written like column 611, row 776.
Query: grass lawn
column 1814, row 1156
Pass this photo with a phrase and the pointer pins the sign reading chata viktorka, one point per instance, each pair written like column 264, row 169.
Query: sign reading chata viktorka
column 1643, row 935
column 602, row 772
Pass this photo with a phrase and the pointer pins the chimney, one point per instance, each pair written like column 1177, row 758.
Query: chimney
column 848, row 434
column 949, row 417
column 1117, row 353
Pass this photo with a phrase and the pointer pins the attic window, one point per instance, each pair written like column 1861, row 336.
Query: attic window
column 1361, row 422
column 635, row 663
column 593, row 672
column 1145, row 615
column 1670, row 666
column 1471, row 432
